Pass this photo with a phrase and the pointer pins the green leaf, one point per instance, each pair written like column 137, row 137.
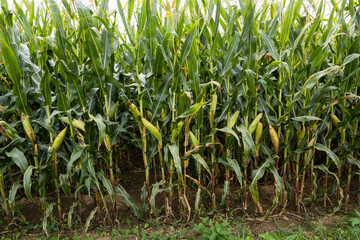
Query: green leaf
column 353, row 161
column 177, row 161
column 48, row 213
column 120, row 191
column 256, row 176
column 65, row 183
column 269, row 44
column 12, row 195
column 235, row 165
column 226, row 130
column 154, row 192
column 203, row 163
column 192, row 110
column 250, row 80
column 287, row 23
column 88, row 220
column 186, row 46
column 348, row 59
column 101, row 126
column 107, row 184
column 313, row 79
column 246, row 137
column 332, row 155
column 229, row 57
column 13, row 69
column 27, row 181
column 19, row 159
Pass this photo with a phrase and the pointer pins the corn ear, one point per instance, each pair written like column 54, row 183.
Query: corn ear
column 274, row 138
column 214, row 99
column 107, row 141
column 343, row 135
column 163, row 114
column 335, row 120
column 355, row 126
column 193, row 139
column 135, row 112
column 300, row 134
column 254, row 123
column 75, row 122
column 113, row 111
column 28, row 128
column 59, row 140
column 258, row 133
column 233, row 119
column 149, row 114
column 176, row 131
column 311, row 142
column 153, row 130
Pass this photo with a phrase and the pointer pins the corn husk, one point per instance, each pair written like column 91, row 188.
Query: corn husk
column 254, row 123
column 258, row 133
column 193, row 139
column 300, row 134
column 214, row 99
column 233, row 119
column 335, row 119
column 75, row 122
column 28, row 128
column 153, row 130
column 107, row 141
column 274, row 138
column 59, row 140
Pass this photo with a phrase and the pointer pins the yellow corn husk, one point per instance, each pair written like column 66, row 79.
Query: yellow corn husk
column 1, row 108
column 214, row 100
column 313, row 127
column 176, row 131
column 329, row 127
column 233, row 119
column 163, row 114
column 113, row 111
column 258, row 133
column 59, row 140
column 311, row 142
column 135, row 112
column 343, row 135
column 355, row 126
column 78, row 124
column 300, row 134
column 75, row 122
column 335, row 119
column 153, row 130
column 149, row 114
column 107, row 141
column 254, row 123
column 28, row 128
column 193, row 139
column 274, row 138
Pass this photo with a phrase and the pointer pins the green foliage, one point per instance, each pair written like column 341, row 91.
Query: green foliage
column 265, row 93
column 216, row 230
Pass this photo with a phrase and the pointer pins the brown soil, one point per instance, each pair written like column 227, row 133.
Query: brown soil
column 134, row 180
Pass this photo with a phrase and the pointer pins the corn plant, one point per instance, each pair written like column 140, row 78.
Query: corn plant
column 219, row 97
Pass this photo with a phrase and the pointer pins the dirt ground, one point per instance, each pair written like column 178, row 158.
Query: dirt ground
column 134, row 180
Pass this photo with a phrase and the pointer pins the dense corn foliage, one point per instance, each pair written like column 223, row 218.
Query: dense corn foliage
column 214, row 95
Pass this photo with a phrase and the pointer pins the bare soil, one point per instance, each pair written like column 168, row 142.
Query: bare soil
column 133, row 180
